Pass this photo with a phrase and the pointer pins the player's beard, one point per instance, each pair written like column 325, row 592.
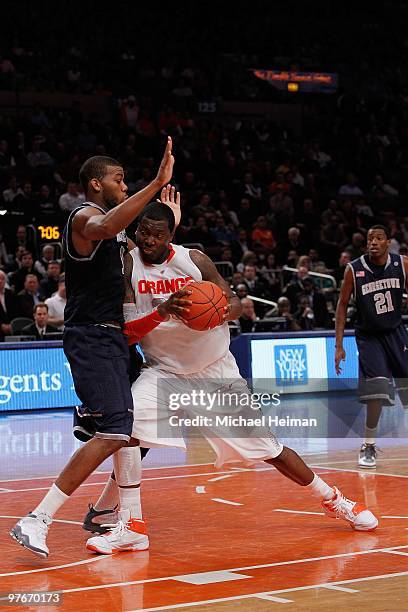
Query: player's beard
column 110, row 202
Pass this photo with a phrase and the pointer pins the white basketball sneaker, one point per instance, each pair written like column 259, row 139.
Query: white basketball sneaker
column 359, row 517
column 128, row 534
column 368, row 456
column 31, row 532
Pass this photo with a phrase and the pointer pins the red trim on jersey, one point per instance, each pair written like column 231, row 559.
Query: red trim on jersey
column 138, row 328
column 171, row 254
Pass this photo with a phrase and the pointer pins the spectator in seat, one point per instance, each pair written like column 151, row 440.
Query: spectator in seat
column 40, row 325
column 338, row 272
column 47, row 255
column 72, row 198
column 49, row 285
column 27, row 267
column 317, row 303
column 221, row 233
column 357, row 246
column 28, row 297
column 8, row 308
column 350, row 188
column 236, row 279
column 283, row 310
column 293, row 242
column 295, row 287
column 263, row 240
column 304, row 316
column 239, row 246
column 56, row 305
column 248, row 315
column 332, row 239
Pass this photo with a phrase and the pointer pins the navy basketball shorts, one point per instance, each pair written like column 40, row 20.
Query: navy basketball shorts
column 381, row 358
column 99, row 360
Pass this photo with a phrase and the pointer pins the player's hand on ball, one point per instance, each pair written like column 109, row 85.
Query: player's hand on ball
column 166, row 167
column 177, row 304
column 339, row 357
column 227, row 311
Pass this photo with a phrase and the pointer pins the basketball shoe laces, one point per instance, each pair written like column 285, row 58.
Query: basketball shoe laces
column 41, row 525
column 342, row 507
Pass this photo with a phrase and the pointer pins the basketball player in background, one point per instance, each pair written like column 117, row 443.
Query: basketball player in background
column 377, row 282
column 94, row 244
column 178, row 355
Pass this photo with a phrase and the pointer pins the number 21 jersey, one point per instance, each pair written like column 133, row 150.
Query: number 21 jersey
column 378, row 293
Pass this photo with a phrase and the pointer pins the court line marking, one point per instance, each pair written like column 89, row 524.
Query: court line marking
column 225, row 501
column 397, row 552
column 298, row 511
column 267, row 593
column 93, row 484
column 164, row 467
column 274, row 599
column 335, row 587
column 366, row 473
column 396, row 459
column 246, row 568
column 53, row 520
column 220, row 478
column 175, row 476
column 395, row 517
column 46, row 569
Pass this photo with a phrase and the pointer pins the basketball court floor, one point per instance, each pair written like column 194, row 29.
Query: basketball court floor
column 221, row 540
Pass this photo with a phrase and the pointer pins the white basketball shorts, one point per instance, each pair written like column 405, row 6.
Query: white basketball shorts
column 151, row 426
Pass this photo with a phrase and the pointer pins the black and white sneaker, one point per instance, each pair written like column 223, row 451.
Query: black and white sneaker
column 368, row 456
column 100, row 521
column 31, row 532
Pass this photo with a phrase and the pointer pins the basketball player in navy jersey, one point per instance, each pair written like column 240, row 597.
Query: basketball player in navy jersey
column 377, row 282
column 94, row 242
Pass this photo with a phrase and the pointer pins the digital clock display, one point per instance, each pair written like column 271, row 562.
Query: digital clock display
column 49, row 232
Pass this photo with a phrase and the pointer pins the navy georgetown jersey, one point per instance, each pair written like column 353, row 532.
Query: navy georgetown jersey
column 378, row 293
column 95, row 284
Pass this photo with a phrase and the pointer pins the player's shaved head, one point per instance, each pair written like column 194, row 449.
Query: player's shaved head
column 156, row 211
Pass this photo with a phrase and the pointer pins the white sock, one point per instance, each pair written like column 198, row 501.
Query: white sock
column 370, row 435
column 109, row 497
column 320, row 488
column 54, row 499
column 130, row 500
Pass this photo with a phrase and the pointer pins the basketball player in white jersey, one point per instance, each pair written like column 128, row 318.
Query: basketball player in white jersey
column 176, row 355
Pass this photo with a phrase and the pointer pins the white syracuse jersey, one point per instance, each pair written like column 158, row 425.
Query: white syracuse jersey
column 172, row 346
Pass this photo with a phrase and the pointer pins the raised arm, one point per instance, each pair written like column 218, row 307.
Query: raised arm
column 210, row 273
column 90, row 224
column 346, row 291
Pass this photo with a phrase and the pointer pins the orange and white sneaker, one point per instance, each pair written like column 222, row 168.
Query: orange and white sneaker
column 128, row 534
column 359, row 517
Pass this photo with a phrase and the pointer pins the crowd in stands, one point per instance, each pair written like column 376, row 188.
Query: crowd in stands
column 257, row 195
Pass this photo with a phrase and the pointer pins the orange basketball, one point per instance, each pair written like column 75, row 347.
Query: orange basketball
column 207, row 308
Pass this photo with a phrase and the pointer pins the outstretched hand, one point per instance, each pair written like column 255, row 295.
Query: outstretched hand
column 171, row 198
column 166, row 167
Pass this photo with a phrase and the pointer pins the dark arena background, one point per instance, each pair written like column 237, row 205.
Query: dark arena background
column 289, row 124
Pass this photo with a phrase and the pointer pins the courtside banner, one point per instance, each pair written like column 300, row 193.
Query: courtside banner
column 302, row 364
column 32, row 378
